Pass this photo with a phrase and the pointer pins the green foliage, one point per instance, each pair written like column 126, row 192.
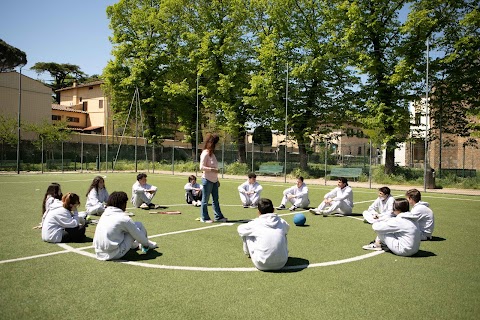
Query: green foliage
column 237, row 168
column 11, row 57
column 8, row 130
column 63, row 74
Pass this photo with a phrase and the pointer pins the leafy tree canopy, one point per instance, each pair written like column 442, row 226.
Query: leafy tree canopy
column 11, row 57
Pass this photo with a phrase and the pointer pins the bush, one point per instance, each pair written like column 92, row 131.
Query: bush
column 236, row 168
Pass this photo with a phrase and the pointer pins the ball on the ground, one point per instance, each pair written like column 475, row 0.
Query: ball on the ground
column 299, row 219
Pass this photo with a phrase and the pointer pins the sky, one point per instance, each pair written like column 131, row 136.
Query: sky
column 60, row 31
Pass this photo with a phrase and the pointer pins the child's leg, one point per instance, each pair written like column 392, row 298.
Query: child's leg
column 244, row 198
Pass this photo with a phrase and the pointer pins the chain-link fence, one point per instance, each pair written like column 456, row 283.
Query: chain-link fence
column 80, row 156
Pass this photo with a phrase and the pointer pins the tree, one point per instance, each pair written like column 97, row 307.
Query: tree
column 49, row 134
column 295, row 37
column 11, row 57
column 63, row 74
column 8, row 130
column 385, row 57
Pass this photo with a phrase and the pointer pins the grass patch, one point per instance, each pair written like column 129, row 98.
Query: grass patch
column 441, row 282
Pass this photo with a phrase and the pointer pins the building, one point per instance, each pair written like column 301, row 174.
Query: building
column 84, row 107
column 33, row 97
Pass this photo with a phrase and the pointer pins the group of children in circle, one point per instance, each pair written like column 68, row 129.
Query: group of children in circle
column 399, row 229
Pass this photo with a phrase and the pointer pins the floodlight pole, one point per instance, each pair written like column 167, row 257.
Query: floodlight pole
column 286, row 125
column 196, row 135
column 19, row 117
column 425, row 161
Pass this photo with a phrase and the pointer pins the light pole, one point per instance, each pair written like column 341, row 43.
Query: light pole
column 113, row 142
column 196, row 135
column 19, row 117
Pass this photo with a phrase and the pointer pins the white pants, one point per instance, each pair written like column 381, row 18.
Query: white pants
column 249, row 199
column 369, row 216
column 96, row 210
column 299, row 202
column 335, row 206
column 129, row 242
column 145, row 197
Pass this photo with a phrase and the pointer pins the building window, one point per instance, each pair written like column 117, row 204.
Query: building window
column 85, row 105
column 100, row 104
column 56, row 117
column 73, row 119
column 80, row 99
column 417, row 118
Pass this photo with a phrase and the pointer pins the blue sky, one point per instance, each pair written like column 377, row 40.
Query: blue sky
column 61, row 31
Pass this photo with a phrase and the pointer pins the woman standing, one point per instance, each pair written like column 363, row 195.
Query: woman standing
column 210, row 183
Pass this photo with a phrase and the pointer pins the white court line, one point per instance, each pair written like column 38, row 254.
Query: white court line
column 34, row 257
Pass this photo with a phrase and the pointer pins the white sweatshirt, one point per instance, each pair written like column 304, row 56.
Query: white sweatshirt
column 424, row 215
column 246, row 187
column 111, row 230
column 338, row 194
column 400, row 234
column 189, row 186
column 383, row 207
column 266, row 238
column 55, row 220
column 96, row 199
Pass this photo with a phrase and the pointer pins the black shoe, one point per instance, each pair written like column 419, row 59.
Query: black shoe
column 281, row 207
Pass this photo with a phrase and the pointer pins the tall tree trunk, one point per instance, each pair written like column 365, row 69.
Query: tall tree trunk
column 241, row 147
column 389, row 160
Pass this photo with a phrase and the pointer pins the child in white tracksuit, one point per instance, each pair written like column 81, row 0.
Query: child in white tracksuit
column 400, row 234
column 265, row 238
column 421, row 210
column 250, row 191
column 116, row 233
column 339, row 200
column 97, row 196
column 297, row 195
column 193, row 191
column 381, row 208
column 61, row 222
column 143, row 193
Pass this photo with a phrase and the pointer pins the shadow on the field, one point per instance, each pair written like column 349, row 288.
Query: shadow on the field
column 353, row 214
column 133, row 255
column 294, row 264
column 424, row 254
column 437, row 239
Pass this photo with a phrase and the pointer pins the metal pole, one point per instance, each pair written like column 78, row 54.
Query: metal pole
column 196, row 135
column 326, row 146
column 81, row 153
column 19, row 117
column 370, row 167
column 223, row 156
column 136, row 129
column 42, row 154
column 286, row 125
column 113, row 142
column 425, row 161
column 253, row 146
column 62, row 157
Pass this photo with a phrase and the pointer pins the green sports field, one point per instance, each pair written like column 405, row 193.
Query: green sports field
column 200, row 272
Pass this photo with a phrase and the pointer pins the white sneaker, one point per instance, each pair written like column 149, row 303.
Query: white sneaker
column 144, row 206
column 372, row 246
column 199, row 203
column 315, row 211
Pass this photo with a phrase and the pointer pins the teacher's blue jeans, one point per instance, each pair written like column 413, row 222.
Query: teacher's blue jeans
column 210, row 188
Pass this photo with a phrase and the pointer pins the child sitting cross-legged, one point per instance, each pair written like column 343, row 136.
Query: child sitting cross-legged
column 265, row 238
column 399, row 234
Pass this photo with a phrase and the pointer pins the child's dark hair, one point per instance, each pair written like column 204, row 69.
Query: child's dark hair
column 384, row 190
column 252, row 175
column 192, row 178
column 141, row 176
column 401, row 205
column 343, row 179
column 300, row 178
column 95, row 183
column 118, row 199
column 54, row 191
column 70, row 199
column 414, row 194
column 265, row 206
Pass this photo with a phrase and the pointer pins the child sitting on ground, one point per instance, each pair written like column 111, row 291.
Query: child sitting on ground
column 381, row 208
column 116, row 233
column 400, row 234
column 193, row 191
column 97, row 196
column 265, row 238
column 61, row 221
column 53, row 193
